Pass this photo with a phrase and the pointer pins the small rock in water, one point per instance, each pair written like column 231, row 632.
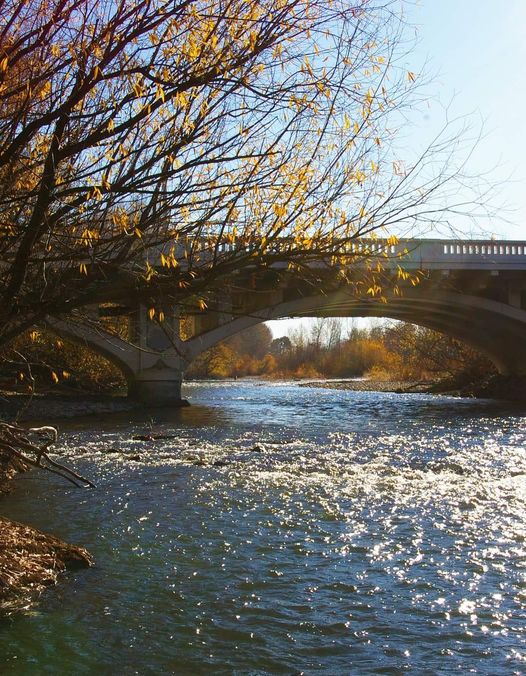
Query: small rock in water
column 220, row 463
column 153, row 437
column 256, row 449
column 136, row 458
column 455, row 468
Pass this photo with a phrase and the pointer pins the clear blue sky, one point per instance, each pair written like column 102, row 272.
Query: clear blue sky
column 475, row 53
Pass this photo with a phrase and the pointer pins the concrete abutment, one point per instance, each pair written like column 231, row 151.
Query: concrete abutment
column 160, row 391
column 153, row 360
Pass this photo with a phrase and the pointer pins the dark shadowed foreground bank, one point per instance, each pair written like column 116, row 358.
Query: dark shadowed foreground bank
column 30, row 561
column 51, row 406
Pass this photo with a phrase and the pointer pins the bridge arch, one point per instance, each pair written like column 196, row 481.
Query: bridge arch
column 495, row 329
column 110, row 346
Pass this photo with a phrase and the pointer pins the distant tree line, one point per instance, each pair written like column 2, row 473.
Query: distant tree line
column 246, row 354
column 393, row 350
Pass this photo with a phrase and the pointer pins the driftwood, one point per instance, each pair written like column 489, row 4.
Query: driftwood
column 20, row 448
column 30, row 561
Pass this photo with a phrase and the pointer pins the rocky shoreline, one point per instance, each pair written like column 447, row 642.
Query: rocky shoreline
column 30, row 561
column 366, row 385
column 495, row 386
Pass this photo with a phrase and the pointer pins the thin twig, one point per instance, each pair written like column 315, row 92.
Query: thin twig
column 14, row 443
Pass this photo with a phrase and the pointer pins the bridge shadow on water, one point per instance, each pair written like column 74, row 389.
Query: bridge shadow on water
column 194, row 416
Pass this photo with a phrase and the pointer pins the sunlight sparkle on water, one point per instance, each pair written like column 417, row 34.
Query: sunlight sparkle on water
column 380, row 530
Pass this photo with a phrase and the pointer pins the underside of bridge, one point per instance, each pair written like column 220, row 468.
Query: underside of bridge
column 153, row 355
column 495, row 329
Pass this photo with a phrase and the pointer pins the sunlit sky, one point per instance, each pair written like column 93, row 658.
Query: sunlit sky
column 474, row 52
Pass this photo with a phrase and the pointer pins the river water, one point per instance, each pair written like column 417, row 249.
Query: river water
column 338, row 532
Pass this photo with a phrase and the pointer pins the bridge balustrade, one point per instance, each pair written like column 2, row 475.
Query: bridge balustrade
column 439, row 254
column 485, row 249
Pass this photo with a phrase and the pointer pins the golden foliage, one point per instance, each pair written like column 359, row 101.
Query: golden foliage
column 52, row 362
column 171, row 143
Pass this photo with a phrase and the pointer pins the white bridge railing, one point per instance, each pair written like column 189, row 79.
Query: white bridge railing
column 491, row 248
column 462, row 254
column 430, row 254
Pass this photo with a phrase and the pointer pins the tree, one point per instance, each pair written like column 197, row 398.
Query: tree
column 422, row 352
column 152, row 148
column 254, row 342
column 218, row 362
column 326, row 332
column 280, row 346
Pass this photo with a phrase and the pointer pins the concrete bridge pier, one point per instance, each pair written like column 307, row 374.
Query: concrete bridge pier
column 159, row 357
column 153, row 358
column 157, row 386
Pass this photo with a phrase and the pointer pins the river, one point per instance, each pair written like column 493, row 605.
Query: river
column 338, row 532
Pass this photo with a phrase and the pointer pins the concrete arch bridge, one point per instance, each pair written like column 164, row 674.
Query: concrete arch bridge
column 473, row 291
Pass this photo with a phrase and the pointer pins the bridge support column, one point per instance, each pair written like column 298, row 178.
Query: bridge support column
column 157, row 387
column 160, row 364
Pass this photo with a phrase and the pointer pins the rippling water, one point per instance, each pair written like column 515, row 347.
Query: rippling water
column 286, row 530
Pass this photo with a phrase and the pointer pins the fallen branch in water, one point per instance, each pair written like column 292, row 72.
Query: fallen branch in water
column 17, row 448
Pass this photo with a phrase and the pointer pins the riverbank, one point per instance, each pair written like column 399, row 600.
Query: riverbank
column 30, row 561
column 367, row 385
column 495, row 386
